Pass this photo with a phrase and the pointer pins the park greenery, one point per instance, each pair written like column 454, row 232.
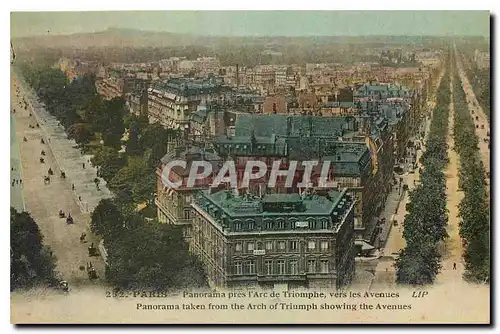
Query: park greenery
column 126, row 149
column 31, row 262
column 144, row 254
column 426, row 219
column 474, row 210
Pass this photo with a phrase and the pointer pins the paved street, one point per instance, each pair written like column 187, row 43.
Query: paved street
column 44, row 201
column 452, row 252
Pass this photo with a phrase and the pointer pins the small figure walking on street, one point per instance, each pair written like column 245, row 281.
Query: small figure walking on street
column 454, row 266
column 83, row 165
column 73, row 187
column 80, row 198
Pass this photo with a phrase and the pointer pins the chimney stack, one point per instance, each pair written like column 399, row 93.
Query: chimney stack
column 237, row 76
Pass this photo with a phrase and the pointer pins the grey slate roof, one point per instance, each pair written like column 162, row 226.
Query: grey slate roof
column 285, row 125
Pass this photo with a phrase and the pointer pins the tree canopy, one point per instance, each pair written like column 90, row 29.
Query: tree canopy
column 31, row 262
column 474, row 208
column 144, row 254
column 427, row 216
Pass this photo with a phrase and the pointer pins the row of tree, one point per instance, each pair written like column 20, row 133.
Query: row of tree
column 474, row 209
column 31, row 262
column 77, row 106
column 479, row 79
column 426, row 219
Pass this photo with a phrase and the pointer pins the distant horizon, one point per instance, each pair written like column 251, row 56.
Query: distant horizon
column 257, row 23
column 241, row 36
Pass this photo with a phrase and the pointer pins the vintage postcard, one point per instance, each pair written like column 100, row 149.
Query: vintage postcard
column 250, row 167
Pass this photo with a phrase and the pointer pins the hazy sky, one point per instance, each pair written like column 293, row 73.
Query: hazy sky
column 258, row 23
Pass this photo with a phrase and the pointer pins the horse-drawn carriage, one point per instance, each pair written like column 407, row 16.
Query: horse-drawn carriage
column 63, row 285
column 42, row 153
column 50, row 172
column 69, row 219
column 91, row 271
column 61, row 214
column 42, row 160
column 92, row 250
column 63, row 175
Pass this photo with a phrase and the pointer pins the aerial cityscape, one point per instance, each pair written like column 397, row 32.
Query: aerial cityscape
column 148, row 158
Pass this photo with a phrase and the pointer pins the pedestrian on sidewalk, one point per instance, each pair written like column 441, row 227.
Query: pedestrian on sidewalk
column 80, row 198
column 454, row 266
column 73, row 187
column 83, row 165
column 20, row 181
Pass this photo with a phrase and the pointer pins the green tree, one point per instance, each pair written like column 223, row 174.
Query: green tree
column 153, row 256
column 156, row 138
column 91, row 111
column 109, row 161
column 109, row 121
column 418, row 265
column 132, row 173
column 106, row 219
column 31, row 262
column 474, row 208
column 81, row 132
column 133, row 147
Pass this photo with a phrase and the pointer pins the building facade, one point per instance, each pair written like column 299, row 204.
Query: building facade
column 171, row 102
column 173, row 205
column 299, row 240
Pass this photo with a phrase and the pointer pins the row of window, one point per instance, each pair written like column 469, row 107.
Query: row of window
column 279, row 267
column 281, row 245
column 280, row 225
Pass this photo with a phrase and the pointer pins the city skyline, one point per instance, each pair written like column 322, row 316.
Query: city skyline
column 258, row 23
